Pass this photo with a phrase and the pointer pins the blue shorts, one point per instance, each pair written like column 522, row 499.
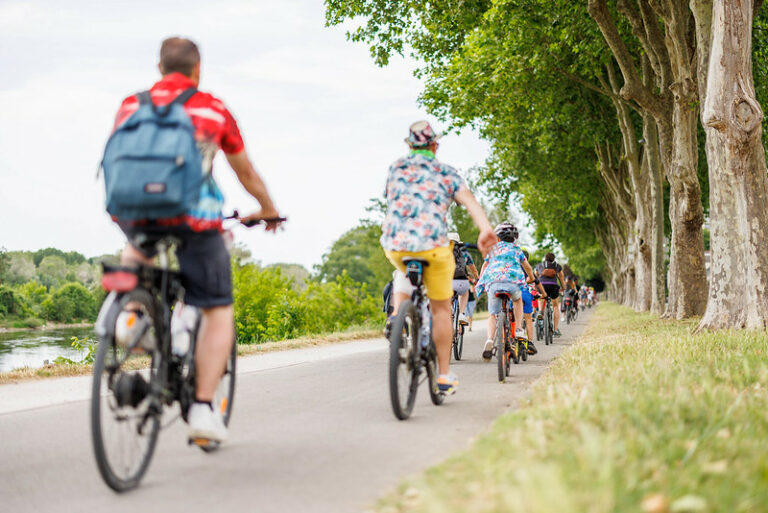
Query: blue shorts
column 527, row 301
column 471, row 308
column 494, row 303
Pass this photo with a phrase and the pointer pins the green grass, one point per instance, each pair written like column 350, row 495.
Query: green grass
column 639, row 416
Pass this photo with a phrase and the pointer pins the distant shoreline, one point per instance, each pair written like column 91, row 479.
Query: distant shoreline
column 49, row 326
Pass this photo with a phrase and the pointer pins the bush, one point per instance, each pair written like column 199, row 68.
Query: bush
column 12, row 303
column 268, row 307
column 70, row 303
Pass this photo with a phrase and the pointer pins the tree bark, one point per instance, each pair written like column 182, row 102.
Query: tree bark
column 652, row 160
column 674, row 110
column 738, row 295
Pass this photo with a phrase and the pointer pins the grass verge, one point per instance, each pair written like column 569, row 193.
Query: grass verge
column 638, row 416
column 63, row 370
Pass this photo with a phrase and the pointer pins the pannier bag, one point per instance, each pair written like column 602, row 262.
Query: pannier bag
column 152, row 166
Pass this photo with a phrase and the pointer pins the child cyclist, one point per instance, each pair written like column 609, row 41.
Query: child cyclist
column 504, row 269
column 419, row 191
column 531, row 291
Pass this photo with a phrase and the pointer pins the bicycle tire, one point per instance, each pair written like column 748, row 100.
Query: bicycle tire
column 458, row 347
column 550, row 328
column 500, row 338
column 103, row 394
column 224, row 395
column 522, row 350
column 434, row 392
column 403, row 352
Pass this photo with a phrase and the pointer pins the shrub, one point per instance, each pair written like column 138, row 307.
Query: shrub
column 12, row 303
column 69, row 303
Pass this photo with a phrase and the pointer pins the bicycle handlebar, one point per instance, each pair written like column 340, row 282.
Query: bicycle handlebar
column 250, row 224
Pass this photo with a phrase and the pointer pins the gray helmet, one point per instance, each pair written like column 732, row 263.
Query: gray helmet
column 507, row 232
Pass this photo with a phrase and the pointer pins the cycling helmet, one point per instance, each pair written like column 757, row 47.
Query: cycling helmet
column 506, row 232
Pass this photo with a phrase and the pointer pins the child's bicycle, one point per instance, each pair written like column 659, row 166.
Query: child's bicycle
column 412, row 353
column 506, row 346
column 136, row 376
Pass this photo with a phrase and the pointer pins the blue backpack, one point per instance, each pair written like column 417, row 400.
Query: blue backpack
column 152, row 166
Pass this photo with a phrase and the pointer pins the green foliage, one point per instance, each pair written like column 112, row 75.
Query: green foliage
column 72, row 302
column 357, row 253
column 268, row 307
column 69, row 257
column 85, row 345
column 12, row 303
column 760, row 63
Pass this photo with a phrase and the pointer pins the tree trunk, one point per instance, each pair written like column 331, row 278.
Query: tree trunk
column 652, row 159
column 738, row 295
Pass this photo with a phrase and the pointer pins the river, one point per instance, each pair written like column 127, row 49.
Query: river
column 32, row 348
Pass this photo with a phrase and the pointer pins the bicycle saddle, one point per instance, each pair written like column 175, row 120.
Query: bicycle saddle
column 504, row 294
column 408, row 260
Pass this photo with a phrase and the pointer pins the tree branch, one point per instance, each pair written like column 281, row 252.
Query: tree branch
column 633, row 86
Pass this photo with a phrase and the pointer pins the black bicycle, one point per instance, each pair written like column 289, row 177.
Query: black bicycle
column 136, row 376
column 412, row 355
column 549, row 321
column 457, row 342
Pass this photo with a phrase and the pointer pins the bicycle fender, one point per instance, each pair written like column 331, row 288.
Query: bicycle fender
column 102, row 321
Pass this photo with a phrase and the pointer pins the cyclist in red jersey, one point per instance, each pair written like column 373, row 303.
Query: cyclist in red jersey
column 203, row 258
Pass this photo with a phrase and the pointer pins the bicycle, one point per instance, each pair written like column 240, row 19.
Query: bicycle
column 506, row 346
column 568, row 305
column 134, row 381
column 548, row 321
column 412, row 350
column 458, row 329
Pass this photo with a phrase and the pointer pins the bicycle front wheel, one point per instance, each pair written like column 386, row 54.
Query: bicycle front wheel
column 124, row 413
column 403, row 364
column 434, row 392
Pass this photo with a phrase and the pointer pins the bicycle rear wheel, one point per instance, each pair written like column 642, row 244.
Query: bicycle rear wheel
column 458, row 343
column 434, row 392
column 125, row 415
column 500, row 341
column 403, row 364
column 550, row 326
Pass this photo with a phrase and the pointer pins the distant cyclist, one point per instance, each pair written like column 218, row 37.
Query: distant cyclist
column 471, row 304
column 504, row 270
column 532, row 288
column 550, row 273
column 419, row 191
column 464, row 273
column 203, row 257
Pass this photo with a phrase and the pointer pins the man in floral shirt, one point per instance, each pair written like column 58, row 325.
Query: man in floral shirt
column 419, row 192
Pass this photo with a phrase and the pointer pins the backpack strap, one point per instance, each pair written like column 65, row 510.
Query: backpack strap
column 145, row 99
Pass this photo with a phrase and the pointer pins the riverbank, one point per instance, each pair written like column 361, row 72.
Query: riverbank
column 639, row 415
column 64, row 370
column 45, row 326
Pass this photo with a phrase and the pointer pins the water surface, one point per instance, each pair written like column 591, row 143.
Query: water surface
column 32, row 348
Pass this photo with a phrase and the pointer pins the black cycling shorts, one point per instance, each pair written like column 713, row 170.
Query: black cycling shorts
column 553, row 291
column 203, row 261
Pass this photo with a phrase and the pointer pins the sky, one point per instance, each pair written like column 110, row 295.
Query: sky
column 320, row 120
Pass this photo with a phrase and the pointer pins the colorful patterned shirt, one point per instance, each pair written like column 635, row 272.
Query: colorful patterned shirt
column 419, row 192
column 214, row 128
column 505, row 264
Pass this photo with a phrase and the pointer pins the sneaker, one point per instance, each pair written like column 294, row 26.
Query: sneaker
column 488, row 350
column 557, row 333
column 463, row 319
column 520, row 333
column 388, row 328
column 531, row 348
column 205, row 425
column 447, row 383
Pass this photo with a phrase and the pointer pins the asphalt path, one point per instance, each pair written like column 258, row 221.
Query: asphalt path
column 312, row 431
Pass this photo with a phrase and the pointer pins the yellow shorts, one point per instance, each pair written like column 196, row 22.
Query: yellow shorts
column 438, row 275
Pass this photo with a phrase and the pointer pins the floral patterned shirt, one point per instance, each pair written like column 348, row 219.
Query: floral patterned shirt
column 419, row 192
column 505, row 264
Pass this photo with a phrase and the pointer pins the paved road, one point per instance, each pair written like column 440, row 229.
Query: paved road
column 312, row 430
